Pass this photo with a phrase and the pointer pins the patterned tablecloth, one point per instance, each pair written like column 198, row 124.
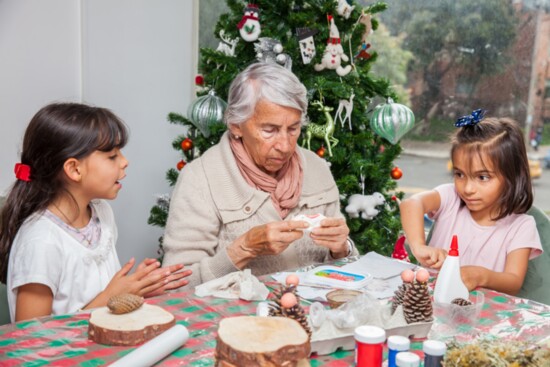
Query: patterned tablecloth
column 63, row 340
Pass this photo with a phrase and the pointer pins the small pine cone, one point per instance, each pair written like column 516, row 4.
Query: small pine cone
column 297, row 313
column 461, row 302
column 398, row 296
column 124, row 303
column 417, row 304
column 275, row 308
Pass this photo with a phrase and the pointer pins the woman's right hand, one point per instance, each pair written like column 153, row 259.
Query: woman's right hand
column 266, row 239
column 429, row 257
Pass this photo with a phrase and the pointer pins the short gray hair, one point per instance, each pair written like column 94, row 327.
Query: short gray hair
column 264, row 81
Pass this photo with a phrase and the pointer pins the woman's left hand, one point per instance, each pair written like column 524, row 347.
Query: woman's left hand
column 332, row 234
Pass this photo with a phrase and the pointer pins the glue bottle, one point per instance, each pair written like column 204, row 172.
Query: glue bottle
column 449, row 283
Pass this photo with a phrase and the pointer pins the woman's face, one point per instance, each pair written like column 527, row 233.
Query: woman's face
column 270, row 135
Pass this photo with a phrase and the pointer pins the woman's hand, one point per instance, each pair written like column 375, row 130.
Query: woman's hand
column 429, row 257
column 266, row 239
column 332, row 234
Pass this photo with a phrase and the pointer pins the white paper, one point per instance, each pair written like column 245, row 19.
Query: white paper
column 155, row 349
column 378, row 266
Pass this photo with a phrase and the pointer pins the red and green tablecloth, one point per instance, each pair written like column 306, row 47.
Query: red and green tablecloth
column 63, row 340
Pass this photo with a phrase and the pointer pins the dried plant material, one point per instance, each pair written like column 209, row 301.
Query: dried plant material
column 124, row 303
column 497, row 353
column 461, row 302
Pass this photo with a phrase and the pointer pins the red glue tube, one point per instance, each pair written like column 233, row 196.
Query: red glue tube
column 369, row 346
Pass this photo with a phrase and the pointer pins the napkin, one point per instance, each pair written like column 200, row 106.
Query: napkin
column 240, row 284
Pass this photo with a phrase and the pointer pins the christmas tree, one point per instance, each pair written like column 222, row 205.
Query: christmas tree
column 341, row 90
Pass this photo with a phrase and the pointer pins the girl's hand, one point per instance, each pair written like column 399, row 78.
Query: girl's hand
column 174, row 279
column 429, row 257
column 473, row 276
column 332, row 234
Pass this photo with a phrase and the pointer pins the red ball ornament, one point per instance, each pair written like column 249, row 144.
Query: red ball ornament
column 396, row 173
column 199, row 80
column 181, row 164
column 186, row 144
column 382, row 148
column 321, row 151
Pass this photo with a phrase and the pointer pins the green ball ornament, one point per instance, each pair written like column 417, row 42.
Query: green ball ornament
column 392, row 121
column 206, row 111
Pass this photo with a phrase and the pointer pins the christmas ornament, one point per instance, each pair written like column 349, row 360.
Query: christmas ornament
column 364, row 205
column 325, row 131
column 321, row 151
column 417, row 303
column 186, row 144
column 180, row 165
column 392, row 120
column 205, row 111
column 334, row 53
column 270, row 50
column 399, row 250
column 344, row 9
column 286, row 302
column 227, row 45
column 396, row 173
column 199, row 80
column 345, row 105
column 363, row 54
column 307, row 43
column 249, row 26
column 366, row 20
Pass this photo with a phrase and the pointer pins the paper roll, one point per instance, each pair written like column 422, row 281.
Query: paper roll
column 155, row 349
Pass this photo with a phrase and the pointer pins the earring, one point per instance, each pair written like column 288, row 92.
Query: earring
column 236, row 136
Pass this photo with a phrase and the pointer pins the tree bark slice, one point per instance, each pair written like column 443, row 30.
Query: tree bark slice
column 261, row 341
column 131, row 328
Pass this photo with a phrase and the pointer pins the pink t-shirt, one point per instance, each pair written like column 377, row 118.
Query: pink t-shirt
column 485, row 246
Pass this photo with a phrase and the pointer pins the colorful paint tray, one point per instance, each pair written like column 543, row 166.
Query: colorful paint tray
column 335, row 277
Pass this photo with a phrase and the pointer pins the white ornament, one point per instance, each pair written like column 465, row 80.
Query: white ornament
column 346, row 105
column 364, row 205
column 307, row 43
column 344, row 9
column 227, row 45
column 281, row 59
column 334, row 53
column 269, row 50
column 249, row 26
column 278, row 48
column 366, row 20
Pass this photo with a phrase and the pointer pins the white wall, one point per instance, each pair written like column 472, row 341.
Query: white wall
column 136, row 57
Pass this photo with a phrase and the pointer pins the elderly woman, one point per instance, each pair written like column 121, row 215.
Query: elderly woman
column 232, row 208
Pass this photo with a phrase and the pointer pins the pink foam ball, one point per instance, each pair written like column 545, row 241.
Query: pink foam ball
column 292, row 279
column 422, row 275
column 407, row 275
column 288, row 300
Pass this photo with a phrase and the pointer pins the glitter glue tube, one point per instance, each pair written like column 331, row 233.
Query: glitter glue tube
column 396, row 344
column 434, row 351
column 407, row 359
column 369, row 346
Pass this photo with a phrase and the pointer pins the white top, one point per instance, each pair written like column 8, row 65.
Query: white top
column 44, row 253
column 407, row 359
column 434, row 347
column 398, row 343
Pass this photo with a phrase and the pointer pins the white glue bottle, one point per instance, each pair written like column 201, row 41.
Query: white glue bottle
column 449, row 283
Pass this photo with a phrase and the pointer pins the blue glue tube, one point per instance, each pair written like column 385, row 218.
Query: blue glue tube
column 396, row 344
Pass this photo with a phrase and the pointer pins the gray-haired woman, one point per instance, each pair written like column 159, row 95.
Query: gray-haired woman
column 232, row 208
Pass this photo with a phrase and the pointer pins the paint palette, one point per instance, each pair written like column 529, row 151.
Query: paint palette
column 335, row 277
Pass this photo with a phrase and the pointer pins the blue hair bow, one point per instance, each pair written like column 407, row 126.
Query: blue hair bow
column 470, row 120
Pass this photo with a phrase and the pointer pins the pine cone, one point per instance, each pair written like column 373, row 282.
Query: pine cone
column 398, row 296
column 124, row 303
column 417, row 304
column 275, row 308
column 461, row 302
column 297, row 313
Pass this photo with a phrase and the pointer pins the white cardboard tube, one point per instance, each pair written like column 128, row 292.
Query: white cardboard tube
column 155, row 349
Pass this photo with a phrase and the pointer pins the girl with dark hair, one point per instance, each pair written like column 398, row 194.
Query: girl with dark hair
column 485, row 207
column 57, row 235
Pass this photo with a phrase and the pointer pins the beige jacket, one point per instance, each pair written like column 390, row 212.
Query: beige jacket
column 212, row 205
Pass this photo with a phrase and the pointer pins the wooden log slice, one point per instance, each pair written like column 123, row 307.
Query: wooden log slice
column 254, row 341
column 131, row 328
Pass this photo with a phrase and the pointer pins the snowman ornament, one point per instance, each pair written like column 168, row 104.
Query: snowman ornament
column 334, row 53
column 249, row 26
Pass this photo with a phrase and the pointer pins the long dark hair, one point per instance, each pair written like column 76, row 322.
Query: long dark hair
column 501, row 141
column 56, row 133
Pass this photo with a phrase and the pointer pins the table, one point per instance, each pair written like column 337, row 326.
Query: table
column 63, row 340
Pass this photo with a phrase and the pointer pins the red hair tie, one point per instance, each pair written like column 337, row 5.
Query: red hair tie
column 22, row 172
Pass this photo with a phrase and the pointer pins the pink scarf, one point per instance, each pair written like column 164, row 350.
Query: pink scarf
column 285, row 189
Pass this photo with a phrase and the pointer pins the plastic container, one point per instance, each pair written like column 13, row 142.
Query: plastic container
column 333, row 276
column 369, row 346
column 396, row 344
column 407, row 359
column 434, row 351
column 452, row 317
column 449, row 283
